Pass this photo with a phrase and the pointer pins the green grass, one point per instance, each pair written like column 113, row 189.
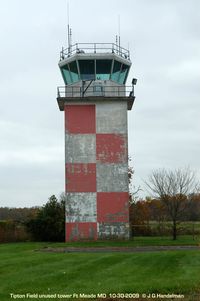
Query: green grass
column 23, row 270
column 137, row 241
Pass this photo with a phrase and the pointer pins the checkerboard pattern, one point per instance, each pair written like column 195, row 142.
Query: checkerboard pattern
column 96, row 170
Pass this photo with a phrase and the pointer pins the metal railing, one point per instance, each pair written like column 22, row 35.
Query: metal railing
column 94, row 48
column 95, row 91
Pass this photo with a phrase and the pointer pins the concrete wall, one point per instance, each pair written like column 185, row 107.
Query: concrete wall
column 96, row 158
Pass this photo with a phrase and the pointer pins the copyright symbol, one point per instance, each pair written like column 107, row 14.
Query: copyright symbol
column 144, row 295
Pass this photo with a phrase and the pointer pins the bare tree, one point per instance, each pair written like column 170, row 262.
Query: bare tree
column 173, row 187
column 133, row 190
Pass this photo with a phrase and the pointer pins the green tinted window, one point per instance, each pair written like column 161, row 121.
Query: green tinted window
column 123, row 74
column 103, row 69
column 86, row 69
column 66, row 74
column 116, row 71
column 74, row 71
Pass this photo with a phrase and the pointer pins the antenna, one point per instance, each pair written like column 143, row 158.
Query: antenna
column 69, row 31
column 70, row 35
column 119, row 29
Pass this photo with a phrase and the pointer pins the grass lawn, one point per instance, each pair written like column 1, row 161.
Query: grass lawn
column 24, row 270
column 138, row 241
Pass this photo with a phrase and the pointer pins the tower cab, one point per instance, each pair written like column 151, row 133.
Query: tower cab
column 94, row 70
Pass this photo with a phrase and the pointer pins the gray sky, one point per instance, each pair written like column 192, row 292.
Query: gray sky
column 164, row 125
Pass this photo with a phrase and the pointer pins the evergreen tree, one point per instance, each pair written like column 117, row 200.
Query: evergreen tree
column 49, row 224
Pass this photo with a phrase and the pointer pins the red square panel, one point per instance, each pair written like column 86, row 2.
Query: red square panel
column 112, row 207
column 80, row 177
column 80, row 119
column 111, row 148
column 78, row 231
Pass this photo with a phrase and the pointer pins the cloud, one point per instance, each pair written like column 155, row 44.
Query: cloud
column 164, row 125
column 31, row 164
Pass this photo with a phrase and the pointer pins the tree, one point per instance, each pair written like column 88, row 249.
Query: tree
column 133, row 191
column 49, row 224
column 173, row 188
column 139, row 218
column 194, row 208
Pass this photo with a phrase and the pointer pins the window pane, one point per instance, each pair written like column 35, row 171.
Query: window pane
column 86, row 69
column 74, row 71
column 116, row 71
column 98, row 90
column 123, row 74
column 103, row 69
column 66, row 74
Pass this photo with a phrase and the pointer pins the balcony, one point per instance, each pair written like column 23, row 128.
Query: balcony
column 95, row 92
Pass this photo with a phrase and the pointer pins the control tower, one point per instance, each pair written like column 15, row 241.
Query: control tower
column 95, row 100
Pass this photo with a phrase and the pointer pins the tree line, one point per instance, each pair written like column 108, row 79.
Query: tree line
column 175, row 198
column 151, row 217
column 46, row 223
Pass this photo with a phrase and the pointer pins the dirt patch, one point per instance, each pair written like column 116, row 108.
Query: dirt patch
column 119, row 249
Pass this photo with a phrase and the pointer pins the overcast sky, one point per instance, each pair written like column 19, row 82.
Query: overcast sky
column 164, row 124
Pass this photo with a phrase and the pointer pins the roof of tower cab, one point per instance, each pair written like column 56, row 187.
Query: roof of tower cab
column 97, row 61
column 94, row 48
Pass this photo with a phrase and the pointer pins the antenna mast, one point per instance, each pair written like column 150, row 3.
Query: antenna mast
column 119, row 30
column 69, row 31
